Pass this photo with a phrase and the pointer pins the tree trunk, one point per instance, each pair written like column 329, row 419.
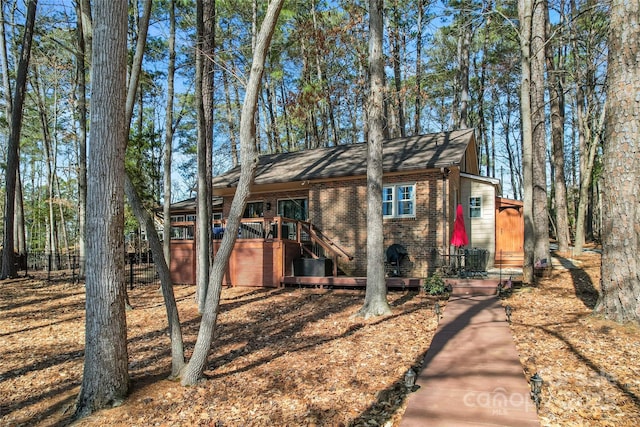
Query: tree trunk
column 168, row 136
column 105, row 379
column 175, row 332
column 144, row 218
column 81, row 113
column 590, row 119
column 397, row 76
column 375, row 300
column 50, row 154
column 19, row 235
column 204, row 95
column 230, row 120
column 193, row 371
column 556, row 102
column 13, row 162
column 463, row 72
column 418, row 107
column 84, row 7
column 620, row 297
column 271, row 108
column 525, row 9
column 539, row 135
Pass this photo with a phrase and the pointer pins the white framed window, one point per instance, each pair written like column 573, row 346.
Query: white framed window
column 216, row 218
column 399, row 201
column 475, row 207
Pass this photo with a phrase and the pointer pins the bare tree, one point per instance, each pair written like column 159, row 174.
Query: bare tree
column 620, row 297
column 525, row 10
column 589, row 109
column 417, row 127
column 13, row 161
column 143, row 216
column 105, row 380
column 375, row 300
column 248, row 156
column 168, row 132
column 539, row 133
column 83, row 41
column 556, row 106
column 204, row 105
column 19, row 235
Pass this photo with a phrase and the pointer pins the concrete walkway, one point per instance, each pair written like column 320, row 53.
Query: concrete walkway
column 471, row 375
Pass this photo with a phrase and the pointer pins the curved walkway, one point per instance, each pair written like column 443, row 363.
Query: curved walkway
column 471, row 375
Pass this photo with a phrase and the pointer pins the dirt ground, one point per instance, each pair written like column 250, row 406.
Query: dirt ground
column 296, row 357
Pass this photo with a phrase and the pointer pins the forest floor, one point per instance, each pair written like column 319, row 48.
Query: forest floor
column 297, row 357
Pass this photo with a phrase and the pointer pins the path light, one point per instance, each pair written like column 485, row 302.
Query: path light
column 437, row 309
column 536, row 387
column 410, row 379
column 508, row 310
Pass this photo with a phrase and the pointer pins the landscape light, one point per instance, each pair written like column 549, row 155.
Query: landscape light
column 508, row 310
column 437, row 309
column 410, row 379
column 536, row 387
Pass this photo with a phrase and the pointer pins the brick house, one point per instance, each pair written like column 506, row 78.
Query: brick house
column 425, row 178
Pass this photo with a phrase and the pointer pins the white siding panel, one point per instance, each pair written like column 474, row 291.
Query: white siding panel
column 481, row 231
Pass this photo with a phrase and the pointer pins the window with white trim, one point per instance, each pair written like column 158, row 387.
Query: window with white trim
column 399, row 201
column 475, row 207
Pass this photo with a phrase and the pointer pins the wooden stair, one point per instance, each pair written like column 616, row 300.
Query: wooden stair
column 472, row 287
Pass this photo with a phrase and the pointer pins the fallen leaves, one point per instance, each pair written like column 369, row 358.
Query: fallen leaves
column 296, row 357
column 280, row 357
column 589, row 365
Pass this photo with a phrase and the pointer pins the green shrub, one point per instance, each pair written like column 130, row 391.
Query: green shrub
column 434, row 285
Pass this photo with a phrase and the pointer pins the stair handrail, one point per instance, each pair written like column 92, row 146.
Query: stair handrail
column 327, row 244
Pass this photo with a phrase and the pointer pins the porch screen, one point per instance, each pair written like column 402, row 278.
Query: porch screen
column 294, row 209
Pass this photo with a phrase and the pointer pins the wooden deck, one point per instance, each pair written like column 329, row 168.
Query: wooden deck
column 485, row 286
column 349, row 282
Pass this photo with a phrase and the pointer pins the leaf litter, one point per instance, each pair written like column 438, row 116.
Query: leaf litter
column 297, row 357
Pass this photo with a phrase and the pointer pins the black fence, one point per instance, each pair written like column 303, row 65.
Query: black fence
column 139, row 268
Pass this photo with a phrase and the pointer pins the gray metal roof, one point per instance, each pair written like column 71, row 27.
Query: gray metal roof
column 399, row 154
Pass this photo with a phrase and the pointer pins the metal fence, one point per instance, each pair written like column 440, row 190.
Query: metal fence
column 140, row 269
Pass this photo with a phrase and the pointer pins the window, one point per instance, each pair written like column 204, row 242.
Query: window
column 217, row 219
column 182, row 233
column 294, row 209
column 177, row 218
column 475, row 207
column 254, row 210
column 399, row 201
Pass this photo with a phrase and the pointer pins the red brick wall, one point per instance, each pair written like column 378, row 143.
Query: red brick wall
column 338, row 209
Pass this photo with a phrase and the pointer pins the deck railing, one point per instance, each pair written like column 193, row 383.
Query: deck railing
column 312, row 241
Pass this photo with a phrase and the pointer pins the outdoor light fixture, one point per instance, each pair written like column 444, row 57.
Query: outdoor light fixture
column 508, row 310
column 536, row 387
column 268, row 206
column 410, row 379
column 437, row 309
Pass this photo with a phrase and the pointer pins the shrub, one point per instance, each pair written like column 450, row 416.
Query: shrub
column 434, row 285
